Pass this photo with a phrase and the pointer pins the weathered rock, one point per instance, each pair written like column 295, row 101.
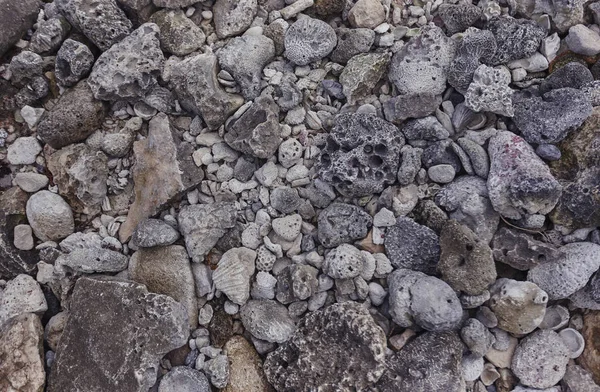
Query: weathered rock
column 476, row 46
column 590, row 358
column 173, row 3
column 343, row 262
column 50, row 216
column 233, row 273
column 74, row 62
column 520, row 250
column 459, row 17
column 309, row 40
column 519, row 306
column 489, row 91
column 352, row 42
column 418, row 105
column 116, row 327
column 49, row 35
column 76, row 115
column 477, row 337
column 233, row 17
column 129, row 69
column 413, row 246
column 267, row 320
column 22, row 354
column 245, row 367
column 16, row 19
column 184, row 379
column 578, row 379
column 583, row 40
column 366, row 14
column 23, row 151
column 340, row 223
column 90, row 260
column 178, row 34
column 573, row 75
column 21, row 295
column 516, row 38
column 362, row 73
column 154, row 232
column 328, row 349
column 156, row 175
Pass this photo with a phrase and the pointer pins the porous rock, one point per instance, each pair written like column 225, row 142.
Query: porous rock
column 573, row 75
column 516, row 38
column 459, row 17
column 74, row 62
column 49, row 35
column 590, row 358
column 49, row 215
column 341, row 222
column 343, row 262
column 178, row 34
column 267, row 320
column 21, row 295
column 246, row 368
column 519, row 306
column 413, row 246
column 520, row 250
column 476, row 46
column 362, row 73
column 351, row 42
column 489, row 91
column 309, row 40
column 90, row 260
column 233, row 17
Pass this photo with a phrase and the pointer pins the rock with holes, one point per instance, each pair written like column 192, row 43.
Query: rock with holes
column 425, row 128
column 519, row 306
column 245, row 373
column 340, row 223
column 477, row 337
column 489, row 91
column 178, row 34
column 515, row 38
column 413, row 246
column 476, row 46
column 49, row 35
column 339, row 347
column 129, row 70
column 89, row 261
column 458, row 18
column 154, row 232
column 21, row 295
column 233, row 17
column 309, row 40
column 267, row 320
column 343, row 262
column 116, row 327
column 233, row 274
column 520, row 250
column 362, row 154
column 74, row 61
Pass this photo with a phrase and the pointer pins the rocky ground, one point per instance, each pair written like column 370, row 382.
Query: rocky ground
column 309, row 195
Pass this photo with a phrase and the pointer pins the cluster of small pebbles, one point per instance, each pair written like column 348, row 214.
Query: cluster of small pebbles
column 300, row 195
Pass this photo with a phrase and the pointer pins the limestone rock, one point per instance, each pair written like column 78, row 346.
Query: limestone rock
column 520, row 250
column 413, row 246
column 154, row 232
column 340, row 223
column 590, row 359
column 309, row 40
column 50, row 217
column 21, row 295
column 516, row 38
column 178, row 34
column 489, row 91
column 233, row 17
column 362, row 73
column 519, row 306
column 246, row 368
column 267, row 320
column 90, row 260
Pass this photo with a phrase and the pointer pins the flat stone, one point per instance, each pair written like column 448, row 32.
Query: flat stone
column 23, row 235
column 90, row 260
column 583, row 40
column 21, row 295
column 366, row 14
column 233, row 17
column 309, row 40
column 154, row 232
column 178, row 34
column 362, row 73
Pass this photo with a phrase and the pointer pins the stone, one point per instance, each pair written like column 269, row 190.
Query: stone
column 362, row 73
column 285, row 200
column 154, row 232
column 540, row 360
column 202, row 225
column 54, row 329
column 233, row 273
column 519, row 306
column 413, row 246
column 184, row 379
column 21, row 295
column 81, row 174
column 520, row 250
column 343, row 262
column 342, row 223
column 442, row 174
column 217, row 370
column 267, row 320
column 245, row 367
column 23, row 237
column 423, row 300
column 489, row 91
column 519, row 182
column 459, row 17
column 466, row 262
column 573, row 75
column 548, row 152
column 244, row 58
column 590, row 358
column 477, row 156
column 194, row 81
column 178, row 35
column 578, row 379
column 327, row 349
column 233, row 17
column 49, row 215
column 22, row 353
column 551, row 117
column 361, row 155
column 24, row 67
column 13, row 261
column 76, row 115
column 257, row 131
column 23, row 151
column 425, row 128
column 308, row 40
column 476, row 46
column 173, row 3
column 583, row 40
column 49, row 35
column 477, row 337
column 351, row 42
column 430, row 362
column 32, row 115
column 366, row 14
column 166, row 270
column 417, row 105
column 516, row 38
column 16, row 19
column 287, row 227
column 90, row 260
column 118, row 142
column 129, row 69
column 116, row 327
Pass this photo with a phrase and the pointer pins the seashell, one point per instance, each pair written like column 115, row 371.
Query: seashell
column 464, row 118
column 556, row 317
column 160, row 99
column 233, row 273
column 573, row 340
column 489, row 375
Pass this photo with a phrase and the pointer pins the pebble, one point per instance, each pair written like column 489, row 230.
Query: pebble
column 31, row 182
column 442, row 174
column 583, row 40
column 23, row 151
column 23, row 237
column 49, row 215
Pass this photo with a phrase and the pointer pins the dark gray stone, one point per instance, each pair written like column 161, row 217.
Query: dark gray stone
column 74, row 62
column 520, row 250
column 267, row 320
column 515, row 38
column 342, row 223
column 426, row 128
column 400, row 108
column 24, row 67
column 548, row 152
column 352, row 42
column 154, row 232
column 441, row 153
column 476, row 46
column 178, row 34
column 573, row 74
column 477, row 337
column 16, row 17
column 285, row 200
column 413, row 246
column 458, row 18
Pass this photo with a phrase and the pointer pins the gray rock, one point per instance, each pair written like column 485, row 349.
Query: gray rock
column 327, row 349
column 184, row 379
column 413, row 246
column 50, row 217
column 520, row 250
column 23, row 151
column 361, row 155
column 516, row 38
column 425, row 128
column 217, row 370
column 583, row 40
column 477, row 337
column 173, row 3
column 103, row 22
column 519, row 306
column 548, row 152
column 49, row 35
column 267, row 320
column 178, row 34
column 342, row 223
column 351, row 42
column 154, row 232
column 288, row 96
column 202, row 225
column 410, row 164
column 31, row 182
column 476, row 46
column 113, row 327
column 74, row 62
column 24, row 67
column 458, row 18
column 367, row 13
column 89, row 261
column 194, row 80
column 361, row 75
column 118, row 142
column 285, row 200
column 233, row 273
column 129, row 69
column 477, row 156
column 233, row 17
column 578, row 379
column 573, row 75
column 343, row 262
column 244, row 58
column 441, row 153
column 418, row 105
column 430, row 362
column 21, row 295
column 489, row 91
column 16, row 19
column 309, row 40
column 442, row 174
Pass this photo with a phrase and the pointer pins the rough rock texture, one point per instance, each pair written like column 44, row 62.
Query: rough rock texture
column 489, row 91
column 574, row 75
column 590, row 358
column 115, row 336
column 309, row 40
column 76, row 115
column 13, row 261
column 49, row 35
column 245, row 367
column 516, row 38
column 361, row 75
column 154, row 232
column 233, row 17
column 476, row 46
column 366, row 14
column 520, row 250
column 233, row 273
column 21, row 295
column 458, row 18
column 74, row 62
column 351, row 42
column 22, row 354
column 340, row 223
column 16, row 18
column 178, row 34
column 413, row 246
column 90, row 260
column 343, row 262
column 49, row 216
column 431, row 362
column 184, row 379
column 361, row 155
column 519, row 306
column 328, row 349
column 580, row 380
column 267, row 320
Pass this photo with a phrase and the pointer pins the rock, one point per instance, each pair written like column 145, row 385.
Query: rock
column 202, row 225
column 564, row 276
column 573, row 75
column 184, row 379
column 23, row 151
column 103, row 22
column 217, row 370
column 358, row 165
column 413, row 246
column 466, row 262
column 519, row 306
column 76, row 115
column 257, row 131
column 173, row 3
column 24, row 67
column 246, row 368
column 156, row 175
column 459, row 17
column 519, row 183
column 583, row 40
column 326, row 350
column 49, row 35
column 442, row 174
column 54, row 329
column 425, row 128
column 477, row 337
column 50, row 217
column 477, row 156
column 502, row 358
column 81, row 174
column 343, row 262
column 20, row 296
column 366, row 14
column 244, row 58
column 430, row 362
column 194, row 80
column 22, row 353
column 329, row 7
column 31, row 182
column 89, row 261
column 362, row 73
column 417, row 105
column 308, row 40
column 520, row 250
column 12, row 260
column 178, row 34
column 233, row 17
column 416, row 298
column 540, row 360
column 16, row 19
column 267, row 320
column 476, row 46
column 154, row 232
column 166, row 270
column 516, row 38
column 351, row 42
column 285, row 200
column 23, row 237
column 287, row 227
column 342, row 223
column 548, row 152
column 233, row 274
column 590, row 359
column 107, row 318
column 489, row 91
column 129, row 69
column 550, row 118
column 578, row 379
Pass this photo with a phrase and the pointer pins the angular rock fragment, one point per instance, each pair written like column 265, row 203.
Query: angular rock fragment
column 178, row 34
column 233, row 17
column 49, row 35
column 154, row 232
column 246, row 368
column 361, row 75
column 476, row 46
column 520, row 250
column 489, row 91
column 458, row 18
column 21, row 295
column 352, row 42
column 89, row 261
column 184, row 379
column 74, row 61
column 516, row 38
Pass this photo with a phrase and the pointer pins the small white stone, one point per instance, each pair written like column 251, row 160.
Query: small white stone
column 23, row 237
column 382, row 28
column 378, row 236
column 23, row 151
column 518, row 74
column 386, row 40
column 550, row 46
column 231, row 308
column 255, row 30
column 583, row 40
column 535, row 63
column 207, row 15
column 32, row 115
column 384, row 218
column 288, row 227
column 205, row 315
column 377, row 293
